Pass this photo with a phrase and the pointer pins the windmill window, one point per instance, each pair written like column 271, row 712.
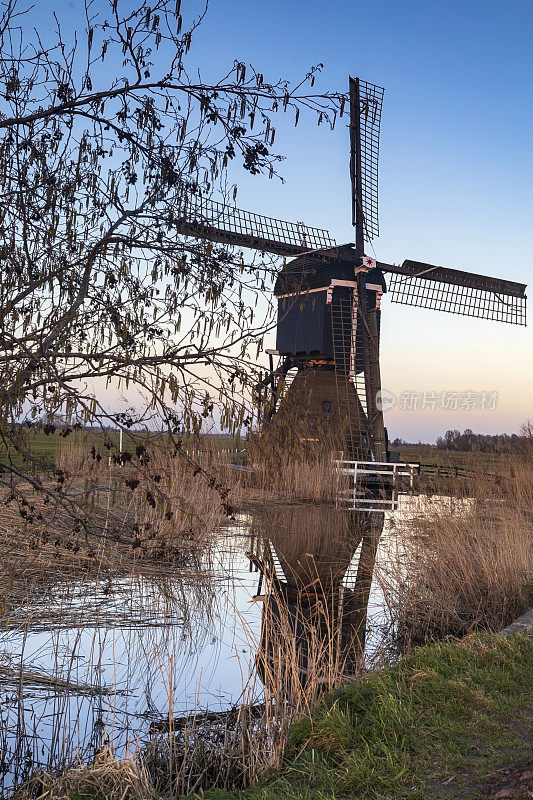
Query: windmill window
column 326, row 406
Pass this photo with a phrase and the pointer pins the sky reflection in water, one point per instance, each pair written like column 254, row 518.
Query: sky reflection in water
column 144, row 646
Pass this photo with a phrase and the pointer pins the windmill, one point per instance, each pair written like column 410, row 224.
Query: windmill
column 329, row 297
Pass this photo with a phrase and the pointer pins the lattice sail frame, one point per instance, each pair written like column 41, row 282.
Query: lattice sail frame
column 212, row 219
column 370, row 100
column 454, row 299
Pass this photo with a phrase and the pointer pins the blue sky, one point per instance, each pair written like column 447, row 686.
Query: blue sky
column 456, row 172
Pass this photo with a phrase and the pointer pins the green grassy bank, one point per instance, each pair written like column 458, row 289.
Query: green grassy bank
column 442, row 723
column 445, row 723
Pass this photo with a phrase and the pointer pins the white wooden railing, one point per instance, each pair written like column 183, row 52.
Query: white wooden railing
column 373, row 485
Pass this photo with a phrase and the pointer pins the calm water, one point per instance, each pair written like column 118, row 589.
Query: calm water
column 130, row 650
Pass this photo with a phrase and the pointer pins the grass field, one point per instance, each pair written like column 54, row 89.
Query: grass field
column 42, row 447
column 45, row 447
column 446, row 458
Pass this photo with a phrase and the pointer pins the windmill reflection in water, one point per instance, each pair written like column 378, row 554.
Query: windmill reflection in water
column 315, row 571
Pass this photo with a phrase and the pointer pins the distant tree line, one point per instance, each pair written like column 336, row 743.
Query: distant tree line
column 486, row 442
column 468, row 441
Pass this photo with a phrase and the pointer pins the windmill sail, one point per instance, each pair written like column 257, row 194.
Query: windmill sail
column 209, row 219
column 370, row 100
column 413, row 283
column 456, row 292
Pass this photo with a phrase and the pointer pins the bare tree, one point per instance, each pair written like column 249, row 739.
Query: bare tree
column 101, row 137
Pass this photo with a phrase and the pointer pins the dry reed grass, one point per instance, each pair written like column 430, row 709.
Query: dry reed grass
column 456, row 572
column 126, row 517
column 162, row 508
column 312, row 630
column 168, row 496
column 302, row 473
column 107, row 776
column 299, row 656
column 231, row 749
column 274, row 476
column 153, row 517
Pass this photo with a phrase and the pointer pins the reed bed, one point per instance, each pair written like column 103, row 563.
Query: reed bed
column 310, row 642
column 301, row 654
column 159, row 510
column 229, row 749
column 467, row 569
column 447, row 572
column 305, row 475
column 152, row 516
column 59, row 704
column 171, row 498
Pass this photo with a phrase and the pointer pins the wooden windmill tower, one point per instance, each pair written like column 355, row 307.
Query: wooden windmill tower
column 329, row 297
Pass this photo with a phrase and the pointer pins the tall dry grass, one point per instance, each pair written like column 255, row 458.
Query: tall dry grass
column 231, row 749
column 196, row 482
column 167, row 495
column 150, row 515
column 114, row 779
column 301, row 653
column 456, row 570
column 275, row 474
